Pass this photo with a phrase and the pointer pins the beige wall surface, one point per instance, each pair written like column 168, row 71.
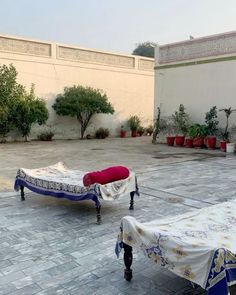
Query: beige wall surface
column 127, row 80
column 198, row 73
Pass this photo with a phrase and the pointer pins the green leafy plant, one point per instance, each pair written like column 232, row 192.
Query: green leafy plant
column 159, row 125
column 82, row 103
column 10, row 90
column 134, row 123
column 225, row 133
column 46, row 134
column 141, row 130
column 181, row 120
column 211, row 121
column 102, row 133
column 197, row 130
column 145, row 49
column 149, row 130
column 28, row 110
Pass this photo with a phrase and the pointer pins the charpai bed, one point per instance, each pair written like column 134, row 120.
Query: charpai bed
column 199, row 246
column 60, row 182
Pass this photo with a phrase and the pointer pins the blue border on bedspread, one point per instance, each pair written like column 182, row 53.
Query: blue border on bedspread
column 89, row 195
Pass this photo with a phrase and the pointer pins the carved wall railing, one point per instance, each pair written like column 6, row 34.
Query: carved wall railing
column 198, row 48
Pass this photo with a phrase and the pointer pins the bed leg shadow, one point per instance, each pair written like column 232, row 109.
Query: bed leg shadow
column 128, row 259
column 99, row 218
column 131, row 206
column 22, row 193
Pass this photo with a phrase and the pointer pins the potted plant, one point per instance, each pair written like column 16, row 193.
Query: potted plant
column 134, row 123
column 160, row 124
column 197, row 132
column 140, row 130
column 149, row 130
column 225, row 134
column 122, row 132
column 211, row 123
column 170, row 131
column 181, row 120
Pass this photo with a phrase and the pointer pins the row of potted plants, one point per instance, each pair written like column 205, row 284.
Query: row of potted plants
column 134, row 124
column 196, row 135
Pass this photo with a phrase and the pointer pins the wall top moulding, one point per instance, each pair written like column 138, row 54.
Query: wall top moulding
column 210, row 46
column 22, row 46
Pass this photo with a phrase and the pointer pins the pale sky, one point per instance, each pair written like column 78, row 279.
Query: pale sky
column 115, row 25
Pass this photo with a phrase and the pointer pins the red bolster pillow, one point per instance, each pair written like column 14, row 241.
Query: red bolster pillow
column 105, row 176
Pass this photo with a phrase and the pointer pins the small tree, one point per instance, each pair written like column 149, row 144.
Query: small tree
column 145, row 49
column 28, row 110
column 4, row 123
column 82, row 103
column 181, row 120
column 211, row 121
column 10, row 90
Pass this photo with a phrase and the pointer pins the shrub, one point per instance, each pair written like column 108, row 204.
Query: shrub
column 211, row 120
column 141, row 130
column 28, row 110
column 181, row 120
column 46, row 134
column 102, row 133
column 197, row 130
column 134, row 123
column 149, row 130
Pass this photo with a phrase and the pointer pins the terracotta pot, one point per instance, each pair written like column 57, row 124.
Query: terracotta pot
column 122, row 134
column 134, row 133
column 189, row 142
column 211, row 142
column 198, row 142
column 179, row 140
column 223, row 146
column 170, row 140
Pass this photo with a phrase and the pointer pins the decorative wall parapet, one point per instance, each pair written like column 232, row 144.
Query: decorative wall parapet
column 83, row 55
column 212, row 46
column 25, row 47
column 145, row 64
column 14, row 45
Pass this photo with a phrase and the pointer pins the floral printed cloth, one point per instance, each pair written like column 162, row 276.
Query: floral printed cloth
column 59, row 181
column 199, row 246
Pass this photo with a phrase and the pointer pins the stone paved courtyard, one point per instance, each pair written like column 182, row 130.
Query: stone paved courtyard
column 50, row 246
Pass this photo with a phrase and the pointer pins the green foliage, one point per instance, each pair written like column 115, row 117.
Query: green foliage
column 159, row 125
column 4, row 123
column 82, row 103
column 102, row 133
column 197, row 130
column 211, row 120
column 225, row 134
column 10, row 90
column 141, row 130
column 149, row 130
column 28, row 110
column 181, row 120
column 134, row 123
column 145, row 49
column 46, row 135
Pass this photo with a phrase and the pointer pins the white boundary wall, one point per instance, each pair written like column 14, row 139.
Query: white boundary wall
column 198, row 73
column 127, row 80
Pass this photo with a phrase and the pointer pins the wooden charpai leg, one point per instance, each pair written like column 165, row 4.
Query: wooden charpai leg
column 22, row 193
column 99, row 218
column 128, row 259
column 131, row 206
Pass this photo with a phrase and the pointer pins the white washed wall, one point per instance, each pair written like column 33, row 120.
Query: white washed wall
column 198, row 73
column 127, row 80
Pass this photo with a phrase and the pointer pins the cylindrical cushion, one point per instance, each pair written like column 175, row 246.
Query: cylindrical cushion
column 105, row 176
